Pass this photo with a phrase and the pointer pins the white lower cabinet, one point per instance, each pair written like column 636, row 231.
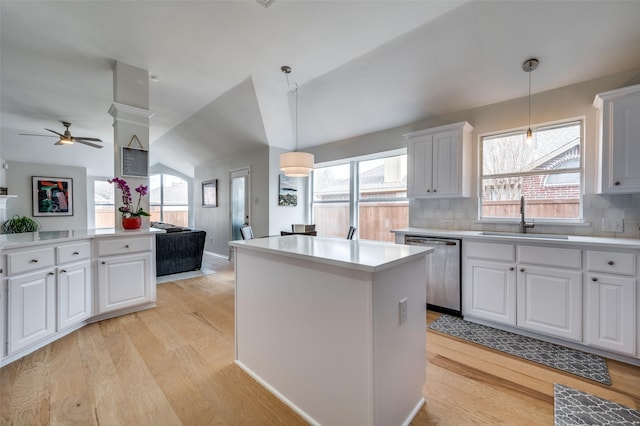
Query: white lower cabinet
column 124, row 281
column 74, row 294
column 492, row 291
column 611, row 302
column 550, row 301
column 31, row 308
column 566, row 291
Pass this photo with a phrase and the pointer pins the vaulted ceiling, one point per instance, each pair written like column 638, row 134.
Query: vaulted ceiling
column 360, row 66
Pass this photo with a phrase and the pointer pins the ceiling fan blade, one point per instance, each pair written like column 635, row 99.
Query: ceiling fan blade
column 53, row 131
column 88, row 143
column 34, row 134
column 78, row 139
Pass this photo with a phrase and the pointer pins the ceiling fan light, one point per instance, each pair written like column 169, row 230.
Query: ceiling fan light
column 66, row 141
column 296, row 164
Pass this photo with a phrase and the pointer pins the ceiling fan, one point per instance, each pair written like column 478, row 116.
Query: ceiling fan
column 67, row 139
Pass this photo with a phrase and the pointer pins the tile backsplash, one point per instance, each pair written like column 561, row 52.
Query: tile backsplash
column 462, row 214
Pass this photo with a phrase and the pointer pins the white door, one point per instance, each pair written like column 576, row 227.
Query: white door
column 446, row 173
column 74, row 294
column 240, row 207
column 31, row 309
column 550, row 301
column 611, row 311
column 490, row 291
column 124, row 281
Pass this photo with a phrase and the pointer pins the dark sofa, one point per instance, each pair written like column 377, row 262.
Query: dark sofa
column 179, row 249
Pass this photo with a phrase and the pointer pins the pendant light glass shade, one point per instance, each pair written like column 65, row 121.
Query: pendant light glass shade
column 528, row 66
column 296, row 164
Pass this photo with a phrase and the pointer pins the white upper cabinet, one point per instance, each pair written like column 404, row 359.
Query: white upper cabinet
column 619, row 120
column 439, row 161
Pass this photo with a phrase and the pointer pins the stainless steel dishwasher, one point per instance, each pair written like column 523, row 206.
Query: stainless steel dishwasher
column 443, row 273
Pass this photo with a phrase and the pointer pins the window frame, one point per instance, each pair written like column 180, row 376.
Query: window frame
column 535, row 128
column 162, row 204
column 354, row 199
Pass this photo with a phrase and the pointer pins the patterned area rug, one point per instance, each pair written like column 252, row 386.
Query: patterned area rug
column 581, row 364
column 573, row 407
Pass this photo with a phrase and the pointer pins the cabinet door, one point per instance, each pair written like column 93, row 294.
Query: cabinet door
column 489, row 291
column 420, row 173
column 31, row 308
column 611, row 311
column 124, row 281
column 74, row 294
column 620, row 133
column 550, row 301
column 446, row 164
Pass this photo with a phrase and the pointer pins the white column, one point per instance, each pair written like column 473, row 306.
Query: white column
column 130, row 111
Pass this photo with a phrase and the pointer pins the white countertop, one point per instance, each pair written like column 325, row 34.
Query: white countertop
column 530, row 237
column 8, row 241
column 363, row 255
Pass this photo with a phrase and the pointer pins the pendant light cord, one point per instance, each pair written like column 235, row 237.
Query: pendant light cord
column 529, row 99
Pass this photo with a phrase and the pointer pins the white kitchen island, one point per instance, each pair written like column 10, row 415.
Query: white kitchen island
column 335, row 328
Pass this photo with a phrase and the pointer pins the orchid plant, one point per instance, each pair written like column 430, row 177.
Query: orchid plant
column 127, row 209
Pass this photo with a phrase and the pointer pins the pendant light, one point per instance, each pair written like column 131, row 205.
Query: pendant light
column 295, row 163
column 528, row 66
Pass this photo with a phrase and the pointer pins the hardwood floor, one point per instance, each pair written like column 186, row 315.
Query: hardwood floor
column 173, row 365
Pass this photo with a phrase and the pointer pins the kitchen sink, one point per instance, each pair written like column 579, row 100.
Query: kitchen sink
column 520, row 235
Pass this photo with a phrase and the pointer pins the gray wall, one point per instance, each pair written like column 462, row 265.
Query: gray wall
column 573, row 101
column 19, row 183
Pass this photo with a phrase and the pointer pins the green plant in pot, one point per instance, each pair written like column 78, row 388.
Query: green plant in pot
column 18, row 224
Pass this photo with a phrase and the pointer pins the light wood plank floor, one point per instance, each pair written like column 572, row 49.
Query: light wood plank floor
column 173, row 365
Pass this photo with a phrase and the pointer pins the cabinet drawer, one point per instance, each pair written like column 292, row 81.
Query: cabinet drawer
column 73, row 252
column 29, row 260
column 550, row 256
column 491, row 251
column 611, row 262
column 107, row 247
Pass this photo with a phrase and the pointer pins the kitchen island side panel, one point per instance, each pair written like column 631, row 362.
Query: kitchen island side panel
column 305, row 328
column 400, row 351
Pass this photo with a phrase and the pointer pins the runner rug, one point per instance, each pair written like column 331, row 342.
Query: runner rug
column 569, row 360
column 574, row 407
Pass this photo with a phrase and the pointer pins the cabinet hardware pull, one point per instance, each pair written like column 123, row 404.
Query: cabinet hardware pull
column 104, row 263
column 126, row 246
column 1, row 270
column 50, row 273
column 64, row 271
column 435, row 190
column 521, row 269
column 611, row 262
column 428, row 190
column 34, row 260
column 75, row 253
column 616, row 183
column 594, row 279
column 512, row 268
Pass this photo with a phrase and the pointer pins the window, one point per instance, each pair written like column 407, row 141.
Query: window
column 104, row 204
column 370, row 194
column 547, row 171
column 169, row 199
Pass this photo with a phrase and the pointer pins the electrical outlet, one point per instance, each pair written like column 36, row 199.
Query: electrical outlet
column 612, row 225
column 403, row 311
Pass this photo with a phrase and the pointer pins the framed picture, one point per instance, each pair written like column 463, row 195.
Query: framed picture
column 210, row 193
column 52, row 196
column 288, row 191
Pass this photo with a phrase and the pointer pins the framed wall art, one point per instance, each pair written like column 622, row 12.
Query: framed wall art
column 288, row 191
column 52, row 196
column 210, row 193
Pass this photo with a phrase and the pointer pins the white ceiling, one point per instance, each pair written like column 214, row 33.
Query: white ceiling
column 361, row 66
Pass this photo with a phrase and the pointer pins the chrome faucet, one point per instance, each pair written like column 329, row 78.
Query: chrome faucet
column 523, row 224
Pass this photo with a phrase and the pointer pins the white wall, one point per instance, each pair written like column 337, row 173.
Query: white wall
column 216, row 220
column 19, row 183
column 559, row 104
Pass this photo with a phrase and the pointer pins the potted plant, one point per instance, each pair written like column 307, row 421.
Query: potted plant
column 131, row 217
column 18, row 224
